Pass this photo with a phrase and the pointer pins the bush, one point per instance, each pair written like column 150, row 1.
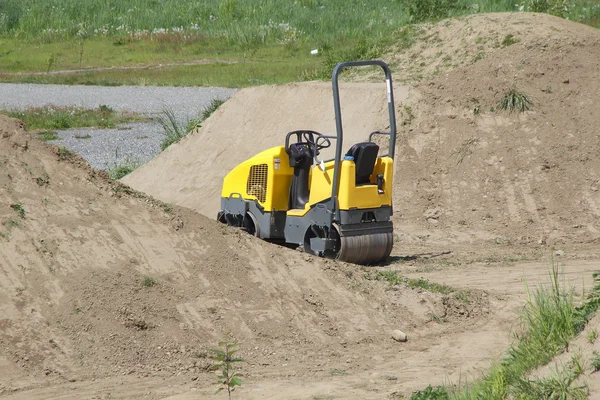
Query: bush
column 554, row 7
column 426, row 10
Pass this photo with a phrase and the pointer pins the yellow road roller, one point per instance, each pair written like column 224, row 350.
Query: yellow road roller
column 338, row 208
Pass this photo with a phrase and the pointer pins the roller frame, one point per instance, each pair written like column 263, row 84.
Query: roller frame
column 346, row 234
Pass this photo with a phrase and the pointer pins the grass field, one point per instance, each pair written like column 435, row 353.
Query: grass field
column 231, row 43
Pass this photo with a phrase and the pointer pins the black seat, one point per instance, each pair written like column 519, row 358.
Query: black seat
column 364, row 155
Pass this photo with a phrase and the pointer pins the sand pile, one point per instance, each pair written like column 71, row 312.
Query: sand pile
column 190, row 173
column 97, row 281
column 484, row 173
column 463, row 167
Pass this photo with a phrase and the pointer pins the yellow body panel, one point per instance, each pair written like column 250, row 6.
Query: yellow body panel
column 275, row 196
column 278, row 180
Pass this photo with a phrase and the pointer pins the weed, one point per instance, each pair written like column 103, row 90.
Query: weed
column 167, row 208
column 338, row 372
column 47, row 135
column 86, row 136
column 78, row 310
column 595, row 362
column 212, row 107
column 117, row 171
column 65, row 154
column 425, row 10
column 149, row 281
column 362, row 50
column 431, row 393
column 430, row 286
column 11, row 223
column 172, row 129
column 592, row 336
column 226, row 365
column 514, row 100
column 561, row 385
column 18, row 207
column 509, row 40
column 559, row 8
column 465, row 149
column 407, row 115
column 43, row 180
column 549, row 321
column 49, row 118
column 548, row 90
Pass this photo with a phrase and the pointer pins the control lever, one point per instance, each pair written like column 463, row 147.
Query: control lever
column 380, row 183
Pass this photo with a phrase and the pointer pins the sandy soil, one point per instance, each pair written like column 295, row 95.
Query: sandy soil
column 106, row 292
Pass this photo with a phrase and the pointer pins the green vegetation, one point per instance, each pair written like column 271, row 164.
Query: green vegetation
column 212, row 107
column 561, row 385
column 18, row 207
column 232, row 43
column 174, row 130
column 149, row 281
column 595, row 363
column 65, row 154
column 225, row 362
column 47, row 135
column 52, row 117
column 431, row 393
column 592, row 335
column 514, row 100
column 393, row 279
column 549, row 320
column 119, row 170
column 509, row 40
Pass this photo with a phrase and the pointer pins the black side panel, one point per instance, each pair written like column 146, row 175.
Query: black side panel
column 301, row 159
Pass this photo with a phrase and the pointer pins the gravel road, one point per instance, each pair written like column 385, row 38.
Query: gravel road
column 103, row 148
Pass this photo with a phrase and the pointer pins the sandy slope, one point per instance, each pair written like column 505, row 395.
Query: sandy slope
column 473, row 189
column 190, row 173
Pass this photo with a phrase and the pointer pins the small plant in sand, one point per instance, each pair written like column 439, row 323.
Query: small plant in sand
column 226, row 365
column 595, row 362
column 431, row 393
column 149, row 281
column 18, row 207
column 514, row 100
column 65, row 154
column 592, row 336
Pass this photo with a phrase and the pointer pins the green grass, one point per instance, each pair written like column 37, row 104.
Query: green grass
column 549, row 320
column 18, row 207
column 515, row 100
column 119, row 170
column 174, row 130
column 49, row 118
column 268, row 41
column 149, row 281
column 47, row 135
column 393, row 279
column 65, row 154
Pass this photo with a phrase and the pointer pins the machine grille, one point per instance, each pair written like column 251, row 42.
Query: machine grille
column 257, row 182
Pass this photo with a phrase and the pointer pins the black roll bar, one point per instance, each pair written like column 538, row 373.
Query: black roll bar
column 338, row 119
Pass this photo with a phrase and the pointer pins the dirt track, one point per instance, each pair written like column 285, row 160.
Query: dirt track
column 79, row 321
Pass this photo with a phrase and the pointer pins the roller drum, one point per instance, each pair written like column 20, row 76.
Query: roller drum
column 366, row 249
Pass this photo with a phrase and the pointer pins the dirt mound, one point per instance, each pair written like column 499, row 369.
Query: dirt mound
column 98, row 280
column 190, row 173
column 466, row 171
column 484, row 173
column 456, row 43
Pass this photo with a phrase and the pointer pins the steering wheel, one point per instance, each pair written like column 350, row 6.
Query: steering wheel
column 315, row 141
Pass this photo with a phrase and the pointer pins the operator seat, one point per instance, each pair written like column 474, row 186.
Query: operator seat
column 364, row 155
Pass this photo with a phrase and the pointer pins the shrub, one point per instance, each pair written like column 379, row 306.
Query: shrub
column 514, row 100
column 426, row 10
